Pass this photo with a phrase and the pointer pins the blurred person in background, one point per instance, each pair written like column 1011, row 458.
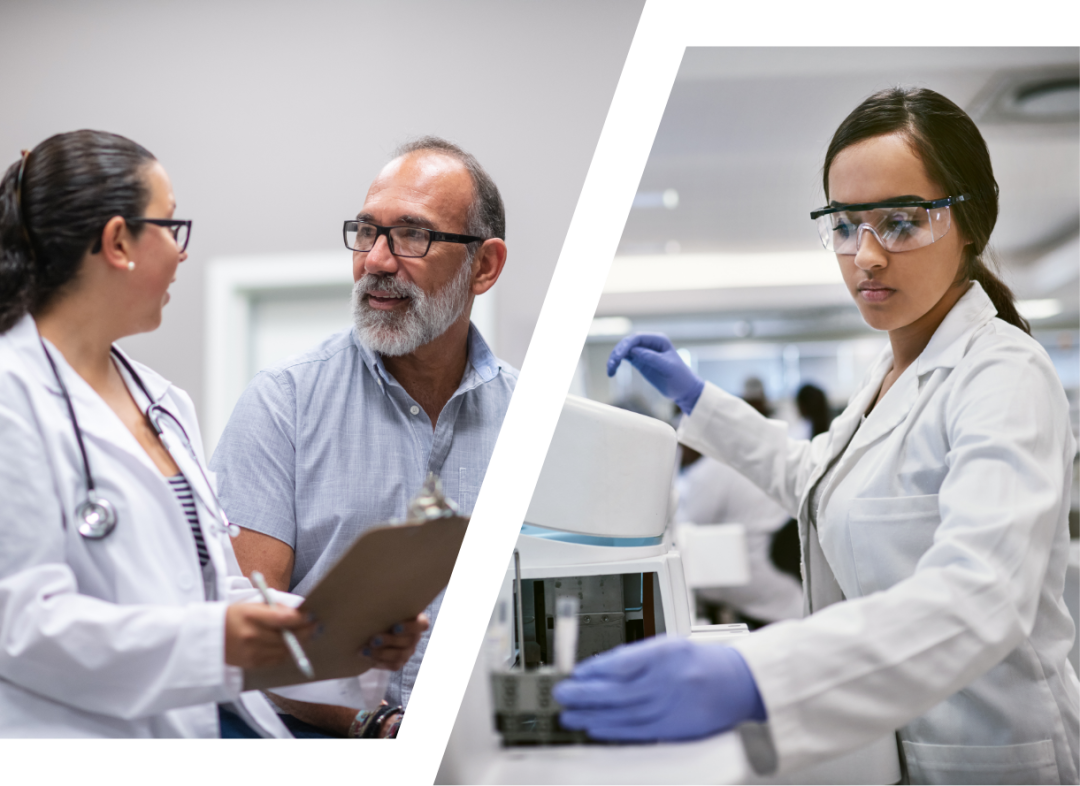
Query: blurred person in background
column 813, row 406
column 754, row 395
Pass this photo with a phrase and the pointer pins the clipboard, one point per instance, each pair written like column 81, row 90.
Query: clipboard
column 389, row 574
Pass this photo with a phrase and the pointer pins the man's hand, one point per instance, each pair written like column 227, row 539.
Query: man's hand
column 391, row 650
column 253, row 634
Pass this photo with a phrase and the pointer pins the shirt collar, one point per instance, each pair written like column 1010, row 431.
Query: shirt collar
column 481, row 365
column 949, row 342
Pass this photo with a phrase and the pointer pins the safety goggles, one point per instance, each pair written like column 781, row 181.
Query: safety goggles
column 898, row 225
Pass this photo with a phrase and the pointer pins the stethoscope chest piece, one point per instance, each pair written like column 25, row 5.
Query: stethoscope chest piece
column 96, row 517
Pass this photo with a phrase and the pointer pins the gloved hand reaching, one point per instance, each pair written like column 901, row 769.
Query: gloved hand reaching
column 660, row 689
column 653, row 355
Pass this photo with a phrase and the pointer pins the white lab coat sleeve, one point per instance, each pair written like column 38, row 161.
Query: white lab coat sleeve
column 125, row 661
column 730, row 430
column 856, row 671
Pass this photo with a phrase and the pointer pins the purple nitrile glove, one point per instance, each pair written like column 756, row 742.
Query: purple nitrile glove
column 660, row 689
column 653, row 355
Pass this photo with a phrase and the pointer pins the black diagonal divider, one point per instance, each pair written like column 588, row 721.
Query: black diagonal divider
column 564, row 322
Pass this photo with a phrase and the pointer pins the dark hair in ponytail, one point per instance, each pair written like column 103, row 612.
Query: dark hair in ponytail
column 955, row 157
column 72, row 184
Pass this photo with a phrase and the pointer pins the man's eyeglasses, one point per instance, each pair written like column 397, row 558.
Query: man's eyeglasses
column 404, row 241
column 898, row 226
column 180, row 229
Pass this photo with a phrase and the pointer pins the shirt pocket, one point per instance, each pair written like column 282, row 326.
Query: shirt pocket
column 1028, row 762
column 888, row 537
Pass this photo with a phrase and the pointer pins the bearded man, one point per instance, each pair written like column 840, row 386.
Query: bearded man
column 331, row 443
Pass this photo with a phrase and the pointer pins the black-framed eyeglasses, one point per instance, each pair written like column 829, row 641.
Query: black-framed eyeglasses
column 180, row 229
column 404, row 241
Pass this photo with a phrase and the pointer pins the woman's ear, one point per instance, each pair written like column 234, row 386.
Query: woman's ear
column 116, row 244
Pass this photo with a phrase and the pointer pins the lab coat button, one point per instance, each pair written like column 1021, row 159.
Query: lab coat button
column 414, row 409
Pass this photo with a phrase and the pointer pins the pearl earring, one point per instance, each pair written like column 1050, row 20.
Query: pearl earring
column 131, row 265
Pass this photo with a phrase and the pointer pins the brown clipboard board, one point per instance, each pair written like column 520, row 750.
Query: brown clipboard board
column 389, row 574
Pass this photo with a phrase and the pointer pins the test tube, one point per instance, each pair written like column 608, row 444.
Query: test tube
column 520, row 611
column 566, row 633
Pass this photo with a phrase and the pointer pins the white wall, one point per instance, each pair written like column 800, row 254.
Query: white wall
column 256, row 110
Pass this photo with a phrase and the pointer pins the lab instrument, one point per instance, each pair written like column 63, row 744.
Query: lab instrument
column 597, row 529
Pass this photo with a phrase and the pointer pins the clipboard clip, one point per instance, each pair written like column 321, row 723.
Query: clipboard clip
column 431, row 503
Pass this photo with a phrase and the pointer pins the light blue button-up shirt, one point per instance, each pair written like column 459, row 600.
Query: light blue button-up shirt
column 327, row 445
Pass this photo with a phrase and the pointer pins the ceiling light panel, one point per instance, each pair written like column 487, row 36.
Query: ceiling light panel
column 677, row 272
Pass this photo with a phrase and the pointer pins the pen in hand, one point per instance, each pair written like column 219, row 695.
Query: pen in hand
column 297, row 652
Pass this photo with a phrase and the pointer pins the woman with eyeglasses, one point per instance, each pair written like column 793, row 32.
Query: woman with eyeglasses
column 932, row 514
column 121, row 602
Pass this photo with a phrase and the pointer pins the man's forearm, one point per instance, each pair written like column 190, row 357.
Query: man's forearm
column 270, row 556
column 328, row 717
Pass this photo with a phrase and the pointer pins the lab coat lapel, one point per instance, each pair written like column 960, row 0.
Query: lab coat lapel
column 950, row 341
column 820, row 586
column 887, row 414
column 849, row 438
column 156, row 385
column 193, row 469
column 945, row 348
column 98, row 423
column 845, row 425
column 175, row 441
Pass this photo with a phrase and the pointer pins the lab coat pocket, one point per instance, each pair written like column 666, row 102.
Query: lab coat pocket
column 1029, row 762
column 888, row 537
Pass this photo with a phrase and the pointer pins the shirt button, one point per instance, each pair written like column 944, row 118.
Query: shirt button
column 415, row 410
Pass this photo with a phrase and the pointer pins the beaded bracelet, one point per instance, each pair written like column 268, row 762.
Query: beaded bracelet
column 367, row 723
column 374, row 726
column 359, row 724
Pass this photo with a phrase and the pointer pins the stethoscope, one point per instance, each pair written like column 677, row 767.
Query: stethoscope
column 96, row 515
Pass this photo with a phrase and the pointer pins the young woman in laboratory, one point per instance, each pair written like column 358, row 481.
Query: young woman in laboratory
column 932, row 515
column 120, row 596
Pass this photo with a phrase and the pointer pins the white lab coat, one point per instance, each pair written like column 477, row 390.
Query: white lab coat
column 112, row 637
column 944, row 526
column 711, row 492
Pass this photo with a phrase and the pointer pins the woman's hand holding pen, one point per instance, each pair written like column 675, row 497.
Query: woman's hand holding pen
column 253, row 633
column 391, row 650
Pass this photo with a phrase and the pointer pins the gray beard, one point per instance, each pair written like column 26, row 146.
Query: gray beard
column 396, row 333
